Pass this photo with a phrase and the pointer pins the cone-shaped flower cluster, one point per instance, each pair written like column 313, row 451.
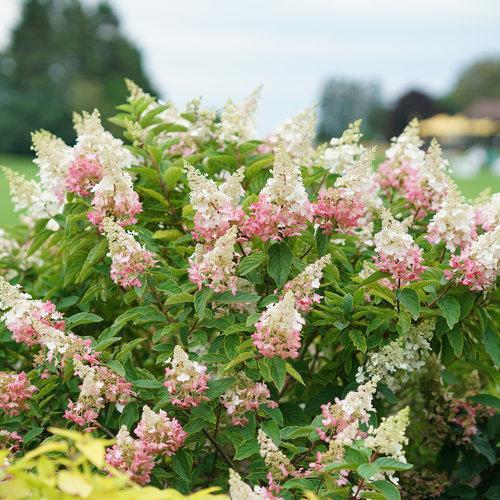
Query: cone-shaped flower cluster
column 304, row 286
column 479, row 264
column 245, row 395
column 216, row 267
column 185, row 380
column 397, row 253
column 100, row 385
column 278, row 329
column 217, row 207
column 129, row 259
column 15, row 392
column 283, row 208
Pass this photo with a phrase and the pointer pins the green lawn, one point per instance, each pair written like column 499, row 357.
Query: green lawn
column 470, row 187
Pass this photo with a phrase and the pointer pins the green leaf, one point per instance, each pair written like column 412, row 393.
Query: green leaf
column 387, row 489
column 130, row 415
column 280, row 263
column 410, row 301
column 377, row 275
column 246, row 449
column 218, row 387
column 172, row 176
column 179, row 298
column 450, row 309
column 322, row 242
column 487, row 400
column 358, row 340
column 32, row 434
column 491, row 342
column 483, row 447
column 205, row 412
column 251, row 262
column 82, row 318
column 128, row 348
column 456, row 340
column 242, row 357
column 367, row 471
column 147, row 384
column 230, row 298
column 278, row 372
column 388, row 463
column 200, row 301
column 294, row 373
column 182, row 463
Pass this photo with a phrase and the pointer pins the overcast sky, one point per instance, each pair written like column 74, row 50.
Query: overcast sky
column 221, row 48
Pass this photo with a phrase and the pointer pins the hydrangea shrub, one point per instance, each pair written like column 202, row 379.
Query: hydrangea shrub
column 265, row 316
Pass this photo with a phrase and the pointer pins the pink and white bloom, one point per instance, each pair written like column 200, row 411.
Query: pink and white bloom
column 217, row 206
column 296, row 136
column 478, row 265
column 245, row 395
column 185, row 380
column 283, row 208
column 216, row 267
column 278, row 329
column 15, row 392
column 396, row 251
column 344, row 150
column 304, row 286
column 129, row 259
column 454, row 223
column 488, row 213
column 402, row 159
column 100, row 385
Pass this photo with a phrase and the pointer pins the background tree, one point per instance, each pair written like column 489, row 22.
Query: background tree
column 62, row 57
column 413, row 104
column 343, row 101
column 478, row 81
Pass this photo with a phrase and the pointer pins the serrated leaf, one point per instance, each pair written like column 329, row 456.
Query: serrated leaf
column 82, row 318
column 358, row 340
column 410, row 301
column 387, row 489
column 491, row 342
column 389, row 463
column 450, row 309
column 456, row 340
column 294, row 373
column 246, row 449
column 367, row 471
column 251, row 262
column 280, row 263
column 179, row 298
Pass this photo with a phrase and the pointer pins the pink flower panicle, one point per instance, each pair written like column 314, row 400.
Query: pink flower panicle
column 397, row 253
column 10, row 441
column 129, row 258
column 100, row 385
column 185, row 380
column 465, row 415
column 217, row 206
column 245, row 395
column 278, row 329
column 215, row 267
column 129, row 456
column 83, row 174
column 15, row 392
column 157, row 435
column 304, row 286
column 114, row 197
column 283, row 208
column 478, row 265
column 160, row 434
column 334, row 210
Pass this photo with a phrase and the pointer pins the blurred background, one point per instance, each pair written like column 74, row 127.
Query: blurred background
column 385, row 62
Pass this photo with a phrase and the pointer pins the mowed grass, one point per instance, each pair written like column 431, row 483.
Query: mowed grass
column 470, row 187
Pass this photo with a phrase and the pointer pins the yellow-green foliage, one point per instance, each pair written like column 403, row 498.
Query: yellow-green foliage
column 71, row 465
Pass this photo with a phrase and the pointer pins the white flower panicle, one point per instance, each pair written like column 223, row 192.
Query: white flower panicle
column 208, row 197
column 453, row 223
column 360, row 181
column 407, row 146
column 216, row 267
column 237, row 122
column 276, row 461
column 53, row 157
column 344, row 150
column 389, row 437
column 393, row 239
column 285, row 186
column 488, row 212
column 94, row 141
column 7, row 245
column 435, row 172
column 358, row 403
column 296, row 136
column 305, row 284
column 239, row 490
column 394, row 362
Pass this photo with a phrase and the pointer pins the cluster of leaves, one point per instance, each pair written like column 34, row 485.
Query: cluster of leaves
column 137, row 330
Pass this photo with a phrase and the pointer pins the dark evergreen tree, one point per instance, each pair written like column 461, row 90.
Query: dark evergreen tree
column 62, row 57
